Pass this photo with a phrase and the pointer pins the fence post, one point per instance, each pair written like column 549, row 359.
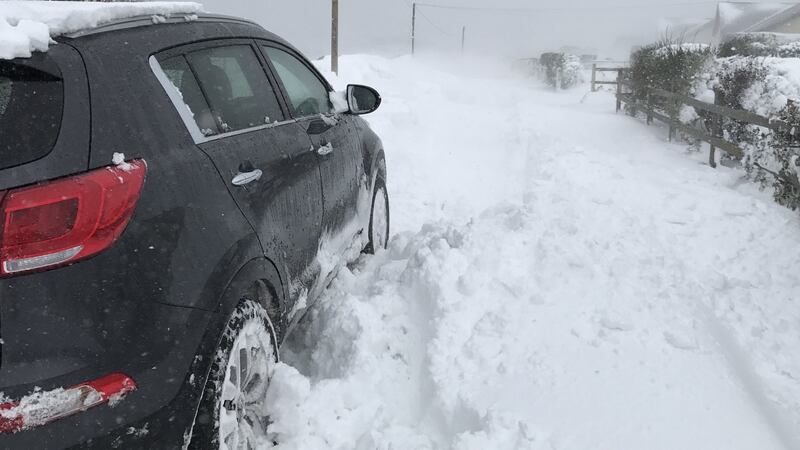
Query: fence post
column 711, row 159
column 619, row 90
column 716, row 131
column 594, row 76
column 673, row 118
column 557, row 84
column 632, row 111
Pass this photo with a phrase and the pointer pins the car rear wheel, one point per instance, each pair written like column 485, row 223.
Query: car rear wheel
column 379, row 218
column 235, row 393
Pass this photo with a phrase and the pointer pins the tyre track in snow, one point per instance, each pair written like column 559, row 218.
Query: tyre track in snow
column 739, row 362
column 742, row 365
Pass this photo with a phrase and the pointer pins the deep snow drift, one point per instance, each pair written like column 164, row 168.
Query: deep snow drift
column 559, row 277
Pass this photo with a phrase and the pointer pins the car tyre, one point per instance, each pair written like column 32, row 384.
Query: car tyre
column 379, row 218
column 233, row 412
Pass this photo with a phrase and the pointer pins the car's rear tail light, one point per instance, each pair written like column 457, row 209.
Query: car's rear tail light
column 41, row 408
column 63, row 221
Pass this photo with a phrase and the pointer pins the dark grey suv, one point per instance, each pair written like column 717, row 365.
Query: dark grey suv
column 173, row 196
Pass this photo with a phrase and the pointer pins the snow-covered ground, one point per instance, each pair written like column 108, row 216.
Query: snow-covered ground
column 559, row 277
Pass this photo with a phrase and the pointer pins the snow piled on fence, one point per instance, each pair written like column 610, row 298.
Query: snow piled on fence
column 28, row 26
column 559, row 278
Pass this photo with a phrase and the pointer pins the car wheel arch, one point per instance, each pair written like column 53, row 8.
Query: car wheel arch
column 258, row 280
column 377, row 168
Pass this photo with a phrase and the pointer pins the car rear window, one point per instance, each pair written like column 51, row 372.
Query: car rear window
column 236, row 87
column 31, row 106
column 179, row 73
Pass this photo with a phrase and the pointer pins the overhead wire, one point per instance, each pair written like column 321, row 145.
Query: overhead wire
column 562, row 9
column 437, row 27
column 539, row 10
column 428, row 19
column 441, row 30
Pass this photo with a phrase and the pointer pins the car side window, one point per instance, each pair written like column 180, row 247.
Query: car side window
column 307, row 94
column 181, row 76
column 236, row 87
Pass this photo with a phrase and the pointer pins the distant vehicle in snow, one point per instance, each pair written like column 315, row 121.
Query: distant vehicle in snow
column 174, row 193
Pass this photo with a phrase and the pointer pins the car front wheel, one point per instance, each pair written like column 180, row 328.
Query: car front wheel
column 379, row 218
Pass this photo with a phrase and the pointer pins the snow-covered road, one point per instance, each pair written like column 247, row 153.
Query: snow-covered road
column 559, row 277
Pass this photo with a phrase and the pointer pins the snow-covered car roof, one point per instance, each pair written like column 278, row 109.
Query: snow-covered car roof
column 28, row 26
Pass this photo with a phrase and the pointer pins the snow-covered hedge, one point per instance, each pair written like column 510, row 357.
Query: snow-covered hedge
column 761, row 44
column 562, row 70
column 767, row 86
column 571, row 72
column 759, row 73
column 669, row 65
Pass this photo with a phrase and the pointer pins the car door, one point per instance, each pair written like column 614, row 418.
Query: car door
column 236, row 118
column 336, row 145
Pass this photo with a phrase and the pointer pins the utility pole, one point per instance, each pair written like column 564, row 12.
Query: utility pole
column 335, row 37
column 413, row 25
column 463, row 36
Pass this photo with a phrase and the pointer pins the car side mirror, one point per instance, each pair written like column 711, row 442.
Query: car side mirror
column 362, row 99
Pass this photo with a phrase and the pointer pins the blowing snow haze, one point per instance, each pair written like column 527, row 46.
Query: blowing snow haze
column 503, row 27
column 209, row 241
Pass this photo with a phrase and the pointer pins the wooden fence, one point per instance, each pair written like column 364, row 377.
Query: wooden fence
column 713, row 116
column 595, row 70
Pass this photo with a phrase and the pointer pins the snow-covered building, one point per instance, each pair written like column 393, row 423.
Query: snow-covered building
column 730, row 18
column 785, row 21
column 688, row 29
column 735, row 17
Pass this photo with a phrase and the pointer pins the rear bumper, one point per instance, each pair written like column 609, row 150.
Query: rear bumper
column 55, row 340
column 140, row 420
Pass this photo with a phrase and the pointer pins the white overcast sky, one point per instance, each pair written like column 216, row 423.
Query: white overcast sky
column 383, row 26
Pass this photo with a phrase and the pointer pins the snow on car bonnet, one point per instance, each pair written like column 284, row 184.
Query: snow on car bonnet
column 28, row 26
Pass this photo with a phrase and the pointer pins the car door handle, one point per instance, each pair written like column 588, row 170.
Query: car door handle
column 247, row 177
column 319, row 126
column 326, row 149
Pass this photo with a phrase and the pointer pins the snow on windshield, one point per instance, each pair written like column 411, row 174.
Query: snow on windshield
column 28, row 26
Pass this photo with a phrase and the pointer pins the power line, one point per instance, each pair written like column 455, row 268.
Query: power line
column 437, row 27
column 562, row 9
column 428, row 19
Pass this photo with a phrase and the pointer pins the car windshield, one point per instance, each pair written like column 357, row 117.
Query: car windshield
column 31, row 102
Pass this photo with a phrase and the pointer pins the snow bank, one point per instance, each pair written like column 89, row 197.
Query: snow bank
column 548, row 287
column 28, row 26
column 462, row 106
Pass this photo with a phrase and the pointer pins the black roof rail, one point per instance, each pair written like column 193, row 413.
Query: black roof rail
column 157, row 19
